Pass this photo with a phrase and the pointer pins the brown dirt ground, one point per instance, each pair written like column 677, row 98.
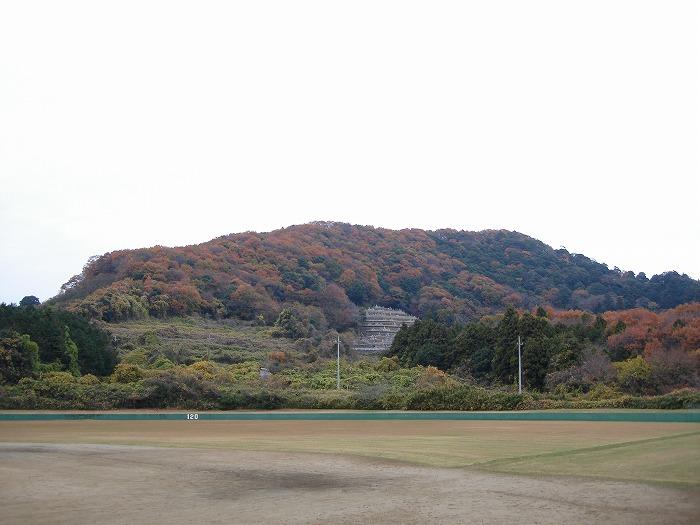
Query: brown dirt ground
column 75, row 479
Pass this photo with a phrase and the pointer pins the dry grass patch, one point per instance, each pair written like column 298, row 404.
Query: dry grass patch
column 658, row 452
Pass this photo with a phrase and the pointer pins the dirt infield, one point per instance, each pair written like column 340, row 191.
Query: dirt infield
column 335, row 472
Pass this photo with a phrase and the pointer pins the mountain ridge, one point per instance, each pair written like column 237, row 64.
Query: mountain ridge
column 329, row 269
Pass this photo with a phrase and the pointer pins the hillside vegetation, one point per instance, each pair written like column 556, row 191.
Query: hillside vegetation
column 330, row 269
column 191, row 327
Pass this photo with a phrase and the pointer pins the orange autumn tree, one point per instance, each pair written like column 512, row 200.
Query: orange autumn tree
column 643, row 332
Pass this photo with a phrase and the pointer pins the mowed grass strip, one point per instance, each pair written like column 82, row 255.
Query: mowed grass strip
column 653, row 452
column 671, row 460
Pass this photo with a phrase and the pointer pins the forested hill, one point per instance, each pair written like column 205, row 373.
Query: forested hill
column 328, row 269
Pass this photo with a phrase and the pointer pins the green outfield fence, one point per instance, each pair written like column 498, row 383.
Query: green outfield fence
column 676, row 416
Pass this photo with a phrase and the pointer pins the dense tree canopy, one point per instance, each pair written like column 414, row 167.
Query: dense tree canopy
column 64, row 339
column 19, row 357
column 648, row 352
column 457, row 275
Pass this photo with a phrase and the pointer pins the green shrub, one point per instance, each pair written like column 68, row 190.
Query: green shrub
column 178, row 388
column 369, row 398
column 601, row 391
column 462, row 397
column 58, row 378
column 124, row 373
column 88, row 379
column 137, row 357
column 251, row 399
column 162, row 363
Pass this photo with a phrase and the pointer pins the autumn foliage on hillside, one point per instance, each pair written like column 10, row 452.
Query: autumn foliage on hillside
column 592, row 337
column 633, row 351
column 329, row 269
column 641, row 332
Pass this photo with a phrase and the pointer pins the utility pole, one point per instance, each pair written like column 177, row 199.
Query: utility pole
column 520, row 368
column 338, row 362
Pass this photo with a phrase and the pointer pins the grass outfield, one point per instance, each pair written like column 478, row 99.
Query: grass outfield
column 673, row 459
column 660, row 453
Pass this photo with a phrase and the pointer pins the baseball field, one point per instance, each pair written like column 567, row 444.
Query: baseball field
column 294, row 471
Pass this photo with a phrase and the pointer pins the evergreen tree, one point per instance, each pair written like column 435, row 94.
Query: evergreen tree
column 19, row 357
column 71, row 353
column 505, row 359
column 536, row 352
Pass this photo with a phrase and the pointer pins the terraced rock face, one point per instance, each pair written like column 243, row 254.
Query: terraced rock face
column 378, row 328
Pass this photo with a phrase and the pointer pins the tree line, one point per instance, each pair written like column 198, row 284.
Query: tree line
column 55, row 359
column 648, row 354
column 36, row 338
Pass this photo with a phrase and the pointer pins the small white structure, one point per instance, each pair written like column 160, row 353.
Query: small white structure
column 265, row 373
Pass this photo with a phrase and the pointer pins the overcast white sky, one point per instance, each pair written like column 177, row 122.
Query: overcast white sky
column 126, row 124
